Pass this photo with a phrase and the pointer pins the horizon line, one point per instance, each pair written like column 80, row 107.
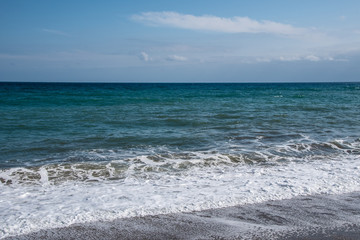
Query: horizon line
column 109, row 82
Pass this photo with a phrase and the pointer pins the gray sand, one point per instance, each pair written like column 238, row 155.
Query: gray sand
column 311, row 217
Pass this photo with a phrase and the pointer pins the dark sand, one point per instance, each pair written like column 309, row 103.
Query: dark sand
column 310, row 217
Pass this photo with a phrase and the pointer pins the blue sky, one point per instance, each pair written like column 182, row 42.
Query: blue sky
column 180, row 41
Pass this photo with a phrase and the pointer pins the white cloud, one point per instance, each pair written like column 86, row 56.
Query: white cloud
column 176, row 58
column 289, row 58
column 145, row 57
column 312, row 58
column 55, row 32
column 218, row 24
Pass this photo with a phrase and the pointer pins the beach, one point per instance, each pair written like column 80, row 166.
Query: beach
column 305, row 217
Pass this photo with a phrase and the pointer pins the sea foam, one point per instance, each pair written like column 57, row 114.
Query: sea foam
column 26, row 208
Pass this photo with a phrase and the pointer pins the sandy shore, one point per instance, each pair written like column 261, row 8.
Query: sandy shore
column 310, row 217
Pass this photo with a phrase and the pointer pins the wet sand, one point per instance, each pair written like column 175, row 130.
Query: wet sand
column 308, row 217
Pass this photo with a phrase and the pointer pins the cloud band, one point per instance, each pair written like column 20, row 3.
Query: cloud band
column 218, row 24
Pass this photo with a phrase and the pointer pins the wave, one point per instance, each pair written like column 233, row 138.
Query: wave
column 160, row 181
column 109, row 165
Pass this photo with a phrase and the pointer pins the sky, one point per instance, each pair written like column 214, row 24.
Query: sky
column 180, row 41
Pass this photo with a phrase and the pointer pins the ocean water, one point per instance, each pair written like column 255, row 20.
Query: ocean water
column 81, row 152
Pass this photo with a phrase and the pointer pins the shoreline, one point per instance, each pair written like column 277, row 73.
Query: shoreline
column 304, row 217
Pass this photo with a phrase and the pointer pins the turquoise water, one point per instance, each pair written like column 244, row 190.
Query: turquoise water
column 80, row 152
column 43, row 123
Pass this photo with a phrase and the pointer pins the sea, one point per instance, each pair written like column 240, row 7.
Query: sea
column 85, row 152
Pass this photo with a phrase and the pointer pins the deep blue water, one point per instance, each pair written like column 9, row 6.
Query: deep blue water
column 45, row 123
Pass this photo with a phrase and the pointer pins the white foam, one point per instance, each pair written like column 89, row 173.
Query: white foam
column 44, row 178
column 29, row 207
